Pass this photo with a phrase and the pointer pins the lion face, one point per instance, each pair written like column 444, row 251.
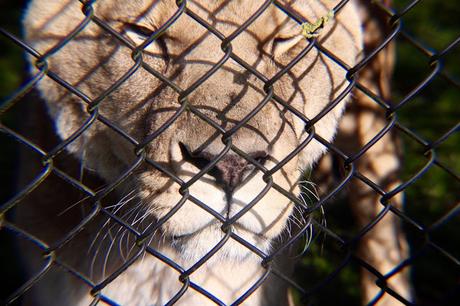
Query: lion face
column 221, row 156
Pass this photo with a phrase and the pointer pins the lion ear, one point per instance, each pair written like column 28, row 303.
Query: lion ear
column 282, row 44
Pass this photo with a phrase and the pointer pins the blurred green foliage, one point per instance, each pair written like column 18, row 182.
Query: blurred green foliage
column 433, row 111
column 12, row 67
column 11, row 61
column 430, row 114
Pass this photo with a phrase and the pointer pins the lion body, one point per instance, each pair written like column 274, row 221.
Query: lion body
column 93, row 61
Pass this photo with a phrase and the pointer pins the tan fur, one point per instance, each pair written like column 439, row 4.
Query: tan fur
column 94, row 60
column 384, row 247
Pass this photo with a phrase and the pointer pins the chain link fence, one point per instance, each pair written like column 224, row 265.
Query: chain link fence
column 428, row 237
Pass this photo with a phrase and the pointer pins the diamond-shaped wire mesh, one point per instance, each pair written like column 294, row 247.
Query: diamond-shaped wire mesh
column 339, row 250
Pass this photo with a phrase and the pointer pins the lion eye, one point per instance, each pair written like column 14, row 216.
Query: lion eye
column 139, row 30
column 138, row 34
column 283, row 44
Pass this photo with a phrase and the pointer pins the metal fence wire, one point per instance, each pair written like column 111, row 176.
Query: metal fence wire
column 344, row 162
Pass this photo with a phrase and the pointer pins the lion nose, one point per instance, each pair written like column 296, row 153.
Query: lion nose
column 230, row 170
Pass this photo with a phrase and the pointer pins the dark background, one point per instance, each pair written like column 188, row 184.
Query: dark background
column 436, row 279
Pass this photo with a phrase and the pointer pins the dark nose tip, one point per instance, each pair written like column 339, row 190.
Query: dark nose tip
column 232, row 168
column 229, row 170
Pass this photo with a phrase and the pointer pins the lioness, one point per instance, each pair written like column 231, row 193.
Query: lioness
column 197, row 144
